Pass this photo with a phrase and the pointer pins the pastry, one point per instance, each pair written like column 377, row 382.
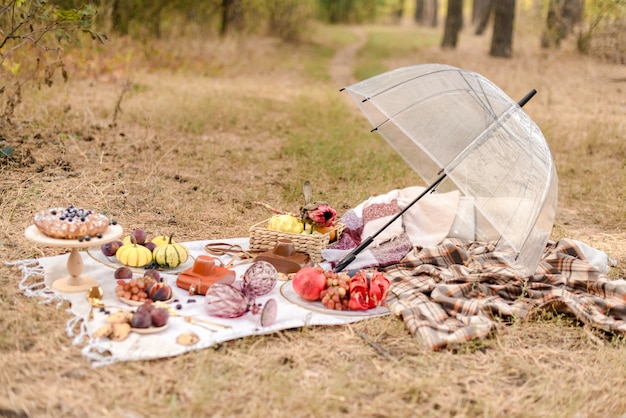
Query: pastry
column 71, row 223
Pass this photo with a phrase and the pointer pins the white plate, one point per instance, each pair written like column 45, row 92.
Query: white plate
column 139, row 303
column 113, row 262
column 32, row 233
column 316, row 306
column 150, row 330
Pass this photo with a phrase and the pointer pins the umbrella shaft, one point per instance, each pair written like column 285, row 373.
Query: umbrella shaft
column 344, row 262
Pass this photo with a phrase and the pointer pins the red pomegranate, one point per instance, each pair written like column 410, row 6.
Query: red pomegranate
column 309, row 282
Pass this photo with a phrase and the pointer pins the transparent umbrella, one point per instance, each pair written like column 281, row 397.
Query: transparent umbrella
column 457, row 129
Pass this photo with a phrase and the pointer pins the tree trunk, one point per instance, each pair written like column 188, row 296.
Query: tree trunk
column 562, row 16
column 120, row 18
column 419, row 11
column 454, row 23
column 483, row 10
column 426, row 12
column 434, row 12
column 231, row 15
column 398, row 13
column 502, row 39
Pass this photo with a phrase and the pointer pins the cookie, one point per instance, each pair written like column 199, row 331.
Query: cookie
column 187, row 339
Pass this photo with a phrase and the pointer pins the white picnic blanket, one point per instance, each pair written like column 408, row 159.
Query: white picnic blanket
column 38, row 275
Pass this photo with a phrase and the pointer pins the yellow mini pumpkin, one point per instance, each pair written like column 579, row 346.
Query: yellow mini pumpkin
column 171, row 254
column 161, row 240
column 134, row 255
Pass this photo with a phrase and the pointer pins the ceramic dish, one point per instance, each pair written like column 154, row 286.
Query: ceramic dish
column 151, row 330
column 113, row 263
column 139, row 303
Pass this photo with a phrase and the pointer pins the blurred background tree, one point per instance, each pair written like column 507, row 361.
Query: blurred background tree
column 454, row 23
column 33, row 33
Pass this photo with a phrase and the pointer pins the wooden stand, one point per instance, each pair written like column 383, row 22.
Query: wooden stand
column 75, row 282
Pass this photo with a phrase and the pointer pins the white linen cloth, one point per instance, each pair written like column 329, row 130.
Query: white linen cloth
column 103, row 351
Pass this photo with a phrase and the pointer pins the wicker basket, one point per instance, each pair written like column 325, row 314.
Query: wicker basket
column 262, row 238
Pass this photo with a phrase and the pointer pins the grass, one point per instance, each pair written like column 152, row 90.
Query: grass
column 206, row 130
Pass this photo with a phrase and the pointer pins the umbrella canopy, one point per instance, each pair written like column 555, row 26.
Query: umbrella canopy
column 447, row 121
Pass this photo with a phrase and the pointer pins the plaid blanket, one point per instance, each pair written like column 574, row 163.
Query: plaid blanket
column 453, row 292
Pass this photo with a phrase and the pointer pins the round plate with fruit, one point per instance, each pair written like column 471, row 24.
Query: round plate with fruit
column 113, row 262
column 290, row 294
column 140, row 253
column 131, row 302
column 134, row 291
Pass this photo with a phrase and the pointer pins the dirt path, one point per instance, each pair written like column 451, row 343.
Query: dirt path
column 342, row 65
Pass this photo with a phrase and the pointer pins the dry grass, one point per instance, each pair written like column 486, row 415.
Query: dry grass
column 210, row 131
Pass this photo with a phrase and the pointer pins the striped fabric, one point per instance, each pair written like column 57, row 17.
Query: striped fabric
column 455, row 292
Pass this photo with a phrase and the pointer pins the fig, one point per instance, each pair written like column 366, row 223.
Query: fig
column 159, row 317
column 149, row 245
column 159, row 291
column 142, row 318
column 146, row 306
column 259, row 279
column 309, row 282
column 123, row 273
column 110, row 248
column 140, row 236
column 154, row 273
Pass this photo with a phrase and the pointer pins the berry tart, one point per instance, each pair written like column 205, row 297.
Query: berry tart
column 71, row 223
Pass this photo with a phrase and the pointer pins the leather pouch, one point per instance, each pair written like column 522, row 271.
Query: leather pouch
column 203, row 274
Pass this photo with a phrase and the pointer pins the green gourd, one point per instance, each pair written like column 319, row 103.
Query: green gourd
column 171, row 254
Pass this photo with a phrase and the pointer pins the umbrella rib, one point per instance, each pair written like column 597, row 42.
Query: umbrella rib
column 403, row 82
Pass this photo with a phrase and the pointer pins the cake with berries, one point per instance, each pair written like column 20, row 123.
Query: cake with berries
column 71, row 223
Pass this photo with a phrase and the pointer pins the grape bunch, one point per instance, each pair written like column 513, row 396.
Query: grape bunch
column 134, row 289
column 336, row 295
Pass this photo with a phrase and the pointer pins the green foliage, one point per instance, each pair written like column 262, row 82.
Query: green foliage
column 601, row 16
column 33, row 31
column 289, row 19
column 349, row 11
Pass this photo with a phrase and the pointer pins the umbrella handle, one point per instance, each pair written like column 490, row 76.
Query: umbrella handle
column 526, row 98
